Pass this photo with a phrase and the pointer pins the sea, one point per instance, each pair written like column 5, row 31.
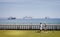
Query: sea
column 30, row 21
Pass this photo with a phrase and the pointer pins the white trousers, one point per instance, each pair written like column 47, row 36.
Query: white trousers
column 40, row 28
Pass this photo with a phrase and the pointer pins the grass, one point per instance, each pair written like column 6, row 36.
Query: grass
column 28, row 33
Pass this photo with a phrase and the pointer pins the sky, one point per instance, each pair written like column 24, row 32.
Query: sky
column 33, row 8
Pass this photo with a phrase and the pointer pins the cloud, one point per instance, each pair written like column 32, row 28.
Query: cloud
column 8, row 0
column 23, row 0
column 15, row 0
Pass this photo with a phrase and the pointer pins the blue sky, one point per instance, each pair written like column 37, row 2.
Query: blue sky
column 33, row 8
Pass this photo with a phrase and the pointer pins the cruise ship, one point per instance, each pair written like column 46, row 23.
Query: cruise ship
column 11, row 18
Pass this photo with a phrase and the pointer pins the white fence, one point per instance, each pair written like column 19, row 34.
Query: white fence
column 50, row 26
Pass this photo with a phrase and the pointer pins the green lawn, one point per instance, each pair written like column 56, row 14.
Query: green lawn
column 28, row 33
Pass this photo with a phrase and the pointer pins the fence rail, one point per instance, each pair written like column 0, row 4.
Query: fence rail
column 29, row 27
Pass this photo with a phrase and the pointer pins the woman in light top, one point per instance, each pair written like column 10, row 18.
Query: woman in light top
column 45, row 26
